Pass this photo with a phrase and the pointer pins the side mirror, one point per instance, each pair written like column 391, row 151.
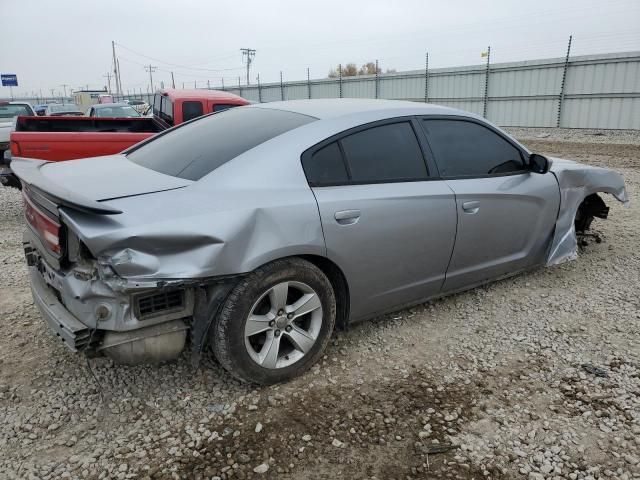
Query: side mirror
column 539, row 163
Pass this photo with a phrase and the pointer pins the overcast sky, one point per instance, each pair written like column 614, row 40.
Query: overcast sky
column 51, row 43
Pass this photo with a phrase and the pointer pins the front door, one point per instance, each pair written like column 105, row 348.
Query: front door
column 506, row 213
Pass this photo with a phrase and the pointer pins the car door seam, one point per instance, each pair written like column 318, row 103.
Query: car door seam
column 455, row 236
column 324, row 237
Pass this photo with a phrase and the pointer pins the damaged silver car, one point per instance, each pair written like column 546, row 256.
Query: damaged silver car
column 251, row 233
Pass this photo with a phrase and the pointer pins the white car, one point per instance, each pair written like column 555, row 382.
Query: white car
column 8, row 113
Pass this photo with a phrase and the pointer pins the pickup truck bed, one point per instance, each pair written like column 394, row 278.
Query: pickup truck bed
column 69, row 138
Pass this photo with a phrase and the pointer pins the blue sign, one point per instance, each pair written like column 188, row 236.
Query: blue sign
column 9, row 80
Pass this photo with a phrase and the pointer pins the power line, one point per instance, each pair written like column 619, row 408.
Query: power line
column 178, row 64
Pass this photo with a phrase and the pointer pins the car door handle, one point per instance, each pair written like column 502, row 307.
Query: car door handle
column 347, row 217
column 471, row 207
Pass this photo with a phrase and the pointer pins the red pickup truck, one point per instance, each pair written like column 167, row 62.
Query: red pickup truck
column 70, row 138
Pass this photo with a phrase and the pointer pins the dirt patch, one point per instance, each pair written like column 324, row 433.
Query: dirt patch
column 391, row 428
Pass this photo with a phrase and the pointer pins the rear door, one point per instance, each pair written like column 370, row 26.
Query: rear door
column 506, row 213
column 387, row 223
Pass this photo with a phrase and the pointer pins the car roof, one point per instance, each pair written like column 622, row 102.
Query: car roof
column 199, row 94
column 337, row 107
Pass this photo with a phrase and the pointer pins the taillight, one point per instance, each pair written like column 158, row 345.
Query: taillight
column 48, row 230
column 15, row 148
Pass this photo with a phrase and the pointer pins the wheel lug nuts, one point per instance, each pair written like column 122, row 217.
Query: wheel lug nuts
column 272, row 323
column 288, row 328
column 290, row 316
column 277, row 333
column 280, row 312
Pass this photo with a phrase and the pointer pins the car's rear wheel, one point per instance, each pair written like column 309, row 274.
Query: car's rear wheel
column 275, row 323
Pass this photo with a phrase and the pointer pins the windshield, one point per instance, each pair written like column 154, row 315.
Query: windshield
column 13, row 110
column 70, row 107
column 197, row 148
column 117, row 111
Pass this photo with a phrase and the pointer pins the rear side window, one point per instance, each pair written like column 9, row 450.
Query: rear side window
column 191, row 110
column 193, row 150
column 325, row 166
column 467, row 149
column 388, row 153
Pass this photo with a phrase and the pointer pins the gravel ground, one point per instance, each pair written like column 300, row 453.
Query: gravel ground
column 535, row 377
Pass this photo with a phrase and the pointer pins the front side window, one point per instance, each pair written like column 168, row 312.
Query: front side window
column 192, row 150
column 191, row 110
column 467, row 149
column 388, row 153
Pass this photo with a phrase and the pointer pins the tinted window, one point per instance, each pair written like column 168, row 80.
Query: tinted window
column 468, row 149
column 218, row 107
column 191, row 110
column 383, row 154
column 325, row 166
column 194, row 149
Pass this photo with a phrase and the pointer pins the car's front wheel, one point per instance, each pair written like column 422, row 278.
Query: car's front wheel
column 275, row 323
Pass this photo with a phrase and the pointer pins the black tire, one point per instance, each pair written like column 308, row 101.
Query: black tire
column 227, row 339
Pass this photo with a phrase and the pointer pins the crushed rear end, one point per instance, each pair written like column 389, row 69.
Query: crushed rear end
column 86, row 304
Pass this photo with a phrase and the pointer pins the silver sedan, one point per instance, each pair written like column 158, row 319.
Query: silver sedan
column 252, row 233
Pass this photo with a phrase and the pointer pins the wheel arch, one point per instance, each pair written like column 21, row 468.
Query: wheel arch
column 339, row 283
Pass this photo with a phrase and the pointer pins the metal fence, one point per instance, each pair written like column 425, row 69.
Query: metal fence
column 594, row 91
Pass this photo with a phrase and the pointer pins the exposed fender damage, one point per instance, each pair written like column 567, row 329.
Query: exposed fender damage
column 578, row 181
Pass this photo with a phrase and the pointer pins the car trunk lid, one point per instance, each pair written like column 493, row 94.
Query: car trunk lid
column 85, row 184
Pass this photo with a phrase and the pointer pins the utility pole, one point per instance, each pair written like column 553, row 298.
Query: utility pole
column 249, row 53
column 108, row 75
column 64, row 85
column 150, row 69
column 308, row 83
column 173, row 82
column 116, row 67
column 119, row 76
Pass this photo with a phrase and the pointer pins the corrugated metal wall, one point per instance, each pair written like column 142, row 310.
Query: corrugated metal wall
column 601, row 91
